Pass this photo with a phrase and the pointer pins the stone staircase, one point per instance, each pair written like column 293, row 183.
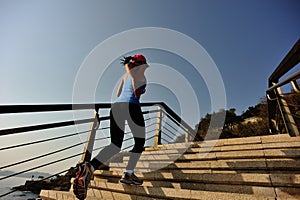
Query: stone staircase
column 265, row 167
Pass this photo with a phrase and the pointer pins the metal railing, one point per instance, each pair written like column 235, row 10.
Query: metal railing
column 64, row 137
column 283, row 114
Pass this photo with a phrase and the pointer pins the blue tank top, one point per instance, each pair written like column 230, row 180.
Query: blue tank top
column 127, row 93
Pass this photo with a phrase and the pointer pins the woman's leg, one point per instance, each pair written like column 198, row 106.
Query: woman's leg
column 137, row 126
column 84, row 174
column 117, row 125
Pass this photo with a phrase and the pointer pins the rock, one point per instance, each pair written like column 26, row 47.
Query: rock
column 61, row 183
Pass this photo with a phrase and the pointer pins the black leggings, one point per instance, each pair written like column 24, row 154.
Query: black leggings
column 119, row 113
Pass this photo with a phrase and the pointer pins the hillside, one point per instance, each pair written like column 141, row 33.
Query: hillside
column 253, row 122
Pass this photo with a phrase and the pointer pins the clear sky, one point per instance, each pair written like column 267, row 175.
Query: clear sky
column 43, row 43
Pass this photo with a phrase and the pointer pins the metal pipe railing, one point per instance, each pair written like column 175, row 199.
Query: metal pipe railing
column 154, row 117
column 275, row 95
column 287, row 80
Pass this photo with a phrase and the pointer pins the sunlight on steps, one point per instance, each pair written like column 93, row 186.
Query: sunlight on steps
column 266, row 167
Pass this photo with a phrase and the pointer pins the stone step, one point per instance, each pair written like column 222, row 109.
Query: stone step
column 270, row 156
column 56, row 195
column 269, row 150
column 248, row 165
column 275, row 139
column 259, row 192
column 280, row 193
column 201, row 147
column 195, row 149
column 250, row 179
column 93, row 194
column 261, row 164
column 152, row 192
column 228, row 155
column 262, row 167
column 262, row 147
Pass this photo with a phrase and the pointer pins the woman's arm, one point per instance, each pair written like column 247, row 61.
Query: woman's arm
column 120, row 88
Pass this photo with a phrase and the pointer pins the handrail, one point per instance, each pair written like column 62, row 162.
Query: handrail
column 274, row 92
column 9, row 109
column 290, row 60
column 176, row 117
column 292, row 77
column 151, row 134
column 42, row 127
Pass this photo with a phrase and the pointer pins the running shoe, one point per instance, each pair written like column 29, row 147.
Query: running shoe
column 82, row 180
column 131, row 179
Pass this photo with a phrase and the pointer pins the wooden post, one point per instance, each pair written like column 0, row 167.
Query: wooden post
column 88, row 149
column 157, row 137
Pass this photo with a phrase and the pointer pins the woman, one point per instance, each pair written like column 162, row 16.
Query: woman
column 125, row 108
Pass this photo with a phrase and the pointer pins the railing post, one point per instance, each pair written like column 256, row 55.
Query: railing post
column 186, row 136
column 295, row 86
column 157, row 137
column 88, row 149
column 287, row 115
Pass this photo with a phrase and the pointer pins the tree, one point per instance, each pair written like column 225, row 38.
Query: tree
column 234, row 125
column 202, row 127
column 231, row 119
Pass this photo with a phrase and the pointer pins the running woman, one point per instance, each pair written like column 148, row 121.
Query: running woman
column 125, row 108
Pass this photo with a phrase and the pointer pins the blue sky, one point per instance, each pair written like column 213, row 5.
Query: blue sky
column 44, row 43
